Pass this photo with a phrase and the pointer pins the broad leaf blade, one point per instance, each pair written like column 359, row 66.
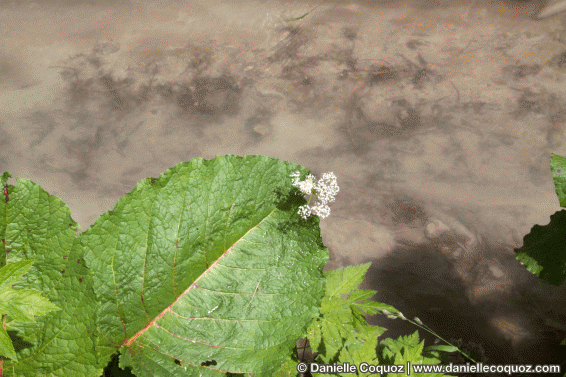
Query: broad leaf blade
column 543, row 252
column 207, row 269
column 558, row 169
column 35, row 225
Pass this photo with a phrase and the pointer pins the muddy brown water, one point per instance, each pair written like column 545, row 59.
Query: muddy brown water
column 437, row 117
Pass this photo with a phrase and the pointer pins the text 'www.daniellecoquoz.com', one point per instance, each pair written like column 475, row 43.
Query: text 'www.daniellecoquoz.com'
column 409, row 369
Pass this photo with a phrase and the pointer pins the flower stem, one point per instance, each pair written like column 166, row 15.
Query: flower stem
column 438, row 336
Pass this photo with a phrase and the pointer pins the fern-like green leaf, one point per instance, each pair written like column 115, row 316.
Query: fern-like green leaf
column 345, row 280
column 404, row 350
column 314, row 333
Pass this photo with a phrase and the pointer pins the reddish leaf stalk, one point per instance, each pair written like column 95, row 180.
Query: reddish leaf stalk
column 4, row 326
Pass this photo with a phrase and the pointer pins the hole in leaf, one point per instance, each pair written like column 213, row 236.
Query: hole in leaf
column 177, row 362
column 208, row 363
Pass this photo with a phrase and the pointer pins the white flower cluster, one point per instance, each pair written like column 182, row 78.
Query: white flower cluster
column 325, row 190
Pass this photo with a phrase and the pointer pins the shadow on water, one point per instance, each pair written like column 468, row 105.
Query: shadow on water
column 422, row 282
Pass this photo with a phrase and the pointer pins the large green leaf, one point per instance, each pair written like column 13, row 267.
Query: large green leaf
column 207, row 269
column 558, row 169
column 543, row 252
column 35, row 225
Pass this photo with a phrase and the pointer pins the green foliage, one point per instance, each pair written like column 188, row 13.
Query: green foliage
column 20, row 305
column 37, row 226
column 204, row 270
column 407, row 349
column 207, row 270
column 222, row 287
column 342, row 335
column 558, row 169
column 543, row 252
